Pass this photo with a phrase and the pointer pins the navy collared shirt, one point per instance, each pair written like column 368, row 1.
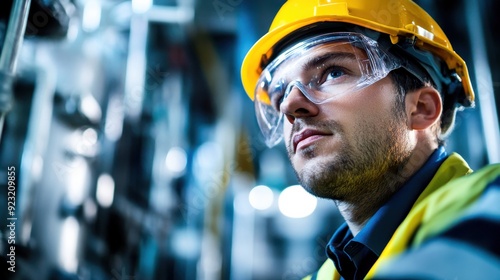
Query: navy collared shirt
column 354, row 256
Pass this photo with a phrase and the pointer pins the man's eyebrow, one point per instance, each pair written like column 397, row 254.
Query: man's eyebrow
column 319, row 60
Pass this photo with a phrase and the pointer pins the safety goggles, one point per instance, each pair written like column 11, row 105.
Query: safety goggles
column 322, row 68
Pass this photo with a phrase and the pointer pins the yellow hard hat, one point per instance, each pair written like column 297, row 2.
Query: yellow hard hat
column 400, row 19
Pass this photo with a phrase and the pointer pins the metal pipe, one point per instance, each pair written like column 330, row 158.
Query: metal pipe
column 484, row 82
column 10, row 52
column 14, row 36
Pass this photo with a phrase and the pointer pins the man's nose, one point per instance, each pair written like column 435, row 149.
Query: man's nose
column 297, row 105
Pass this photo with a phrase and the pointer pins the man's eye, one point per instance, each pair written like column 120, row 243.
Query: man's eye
column 334, row 73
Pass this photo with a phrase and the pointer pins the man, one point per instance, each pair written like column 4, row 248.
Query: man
column 363, row 94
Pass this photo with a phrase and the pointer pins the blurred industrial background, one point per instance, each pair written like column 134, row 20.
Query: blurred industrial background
column 136, row 152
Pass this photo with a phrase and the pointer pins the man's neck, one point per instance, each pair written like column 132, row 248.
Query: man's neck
column 357, row 213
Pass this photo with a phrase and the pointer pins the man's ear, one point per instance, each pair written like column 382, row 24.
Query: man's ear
column 423, row 107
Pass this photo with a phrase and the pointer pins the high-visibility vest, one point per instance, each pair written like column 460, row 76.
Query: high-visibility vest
column 441, row 203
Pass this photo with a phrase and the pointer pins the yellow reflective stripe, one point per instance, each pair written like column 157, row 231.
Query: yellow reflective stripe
column 450, row 202
column 327, row 271
column 453, row 167
column 434, row 213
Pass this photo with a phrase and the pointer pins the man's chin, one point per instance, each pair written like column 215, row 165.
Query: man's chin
column 305, row 165
column 325, row 177
column 317, row 162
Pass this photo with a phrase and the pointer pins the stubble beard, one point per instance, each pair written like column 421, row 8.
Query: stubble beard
column 364, row 168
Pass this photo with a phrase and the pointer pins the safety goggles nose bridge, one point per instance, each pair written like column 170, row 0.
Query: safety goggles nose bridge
column 306, row 91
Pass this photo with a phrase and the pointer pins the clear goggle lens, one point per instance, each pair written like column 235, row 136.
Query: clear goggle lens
column 322, row 68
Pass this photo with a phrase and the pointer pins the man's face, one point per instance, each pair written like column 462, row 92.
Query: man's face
column 342, row 147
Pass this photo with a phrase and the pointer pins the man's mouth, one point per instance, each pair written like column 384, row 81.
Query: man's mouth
column 306, row 137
